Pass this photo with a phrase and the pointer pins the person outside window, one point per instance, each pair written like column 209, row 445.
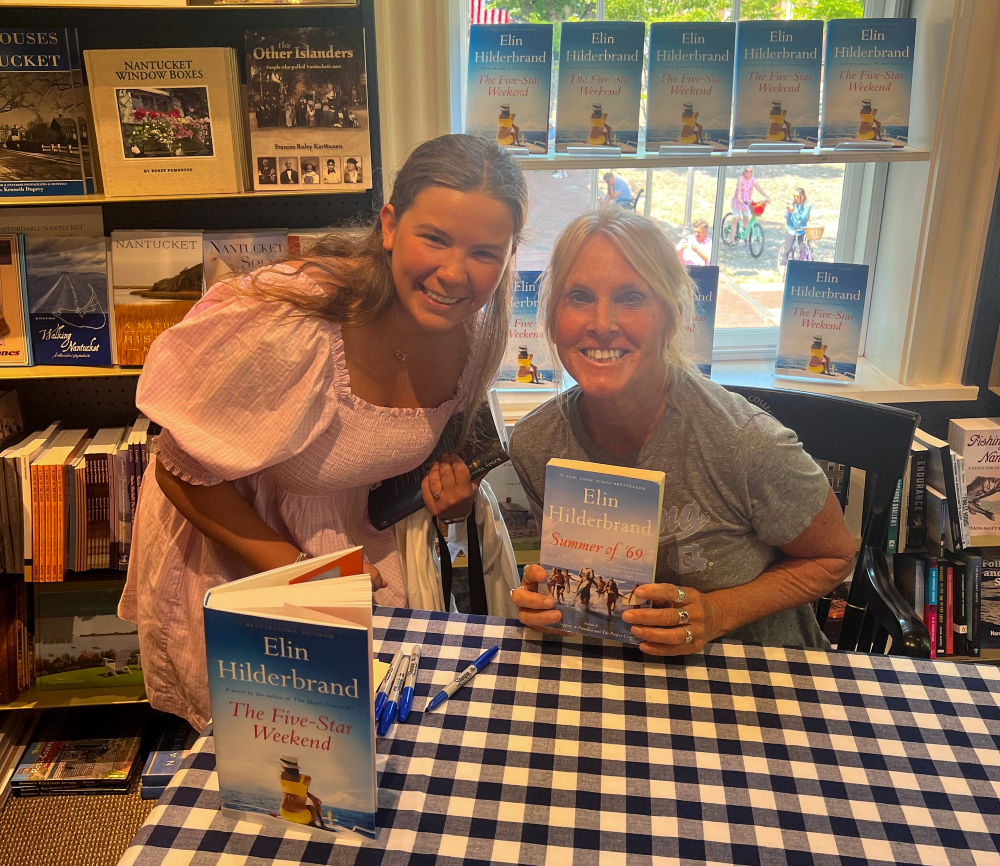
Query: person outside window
column 619, row 192
column 796, row 219
column 745, row 185
column 696, row 248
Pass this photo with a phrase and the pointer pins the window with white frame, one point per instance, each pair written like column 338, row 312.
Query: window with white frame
column 750, row 258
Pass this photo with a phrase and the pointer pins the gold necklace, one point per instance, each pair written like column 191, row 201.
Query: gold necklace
column 402, row 356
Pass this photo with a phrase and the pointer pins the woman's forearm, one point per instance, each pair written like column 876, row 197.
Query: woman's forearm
column 786, row 584
column 220, row 513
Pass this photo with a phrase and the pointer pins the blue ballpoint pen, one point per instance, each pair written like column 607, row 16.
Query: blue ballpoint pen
column 389, row 710
column 411, row 680
column 387, row 681
column 462, row 678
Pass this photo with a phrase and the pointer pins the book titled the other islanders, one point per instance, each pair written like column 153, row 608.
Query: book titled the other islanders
column 600, row 533
column 290, row 676
column 821, row 316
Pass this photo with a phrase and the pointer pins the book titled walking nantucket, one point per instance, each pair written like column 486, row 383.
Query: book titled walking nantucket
column 290, row 676
column 600, row 535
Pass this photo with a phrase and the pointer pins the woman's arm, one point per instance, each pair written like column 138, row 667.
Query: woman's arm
column 814, row 563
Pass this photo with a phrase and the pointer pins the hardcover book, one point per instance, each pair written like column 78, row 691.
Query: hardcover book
column 527, row 361
column 308, row 95
column 977, row 440
column 778, row 66
column 510, row 74
column 241, row 252
column 702, row 333
column 690, row 91
column 821, row 314
column 15, row 345
column 600, row 84
column 67, row 289
column 166, row 120
column 600, row 535
column 989, row 618
column 291, row 682
column 44, row 141
column 942, row 486
column 391, row 500
column 868, row 75
column 157, row 277
column 60, row 221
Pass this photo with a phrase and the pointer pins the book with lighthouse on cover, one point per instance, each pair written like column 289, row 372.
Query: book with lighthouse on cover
column 290, row 675
column 600, row 535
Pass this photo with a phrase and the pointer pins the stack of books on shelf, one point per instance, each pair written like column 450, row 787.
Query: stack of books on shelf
column 16, row 729
column 176, row 738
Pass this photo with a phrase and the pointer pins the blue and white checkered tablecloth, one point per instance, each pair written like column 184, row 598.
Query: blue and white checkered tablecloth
column 565, row 752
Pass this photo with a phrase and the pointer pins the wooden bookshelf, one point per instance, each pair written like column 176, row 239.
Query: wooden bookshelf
column 50, row 699
column 42, row 371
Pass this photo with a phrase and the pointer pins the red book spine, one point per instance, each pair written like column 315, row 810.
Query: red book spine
column 930, row 614
column 949, row 612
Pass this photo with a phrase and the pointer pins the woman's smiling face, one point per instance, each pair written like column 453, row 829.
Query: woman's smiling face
column 449, row 251
column 610, row 326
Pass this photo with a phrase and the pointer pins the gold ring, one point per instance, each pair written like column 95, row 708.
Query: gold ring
column 690, row 637
column 684, row 615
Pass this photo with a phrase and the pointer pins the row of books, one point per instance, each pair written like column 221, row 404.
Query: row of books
column 16, row 729
column 164, row 760
column 169, row 121
column 67, row 499
column 709, row 84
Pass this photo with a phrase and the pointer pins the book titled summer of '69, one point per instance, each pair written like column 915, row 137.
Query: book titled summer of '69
column 290, row 676
column 600, row 533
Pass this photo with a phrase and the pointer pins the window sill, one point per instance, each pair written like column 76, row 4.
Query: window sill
column 871, row 386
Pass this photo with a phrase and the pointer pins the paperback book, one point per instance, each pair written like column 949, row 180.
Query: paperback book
column 977, row 440
column 600, row 536
column 690, row 91
column 600, row 84
column 778, row 66
column 68, row 307
column 821, row 314
column 44, row 140
column 53, row 221
column 167, row 120
column 527, row 361
column 989, row 618
column 241, row 252
column 15, row 345
column 290, row 676
column 157, row 276
column 308, row 100
column 507, row 93
column 702, row 331
column 868, row 75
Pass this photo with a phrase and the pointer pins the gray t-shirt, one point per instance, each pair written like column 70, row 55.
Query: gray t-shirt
column 738, row 485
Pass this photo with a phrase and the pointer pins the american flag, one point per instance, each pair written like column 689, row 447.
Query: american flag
column 479, row 14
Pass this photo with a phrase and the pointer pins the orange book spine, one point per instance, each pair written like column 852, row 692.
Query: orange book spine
column 59, row 477
column 46, row 547
column 31, row 571
column 50, row 559
column 81, row 518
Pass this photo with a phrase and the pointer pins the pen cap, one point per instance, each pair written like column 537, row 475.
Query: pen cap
column 486, row 658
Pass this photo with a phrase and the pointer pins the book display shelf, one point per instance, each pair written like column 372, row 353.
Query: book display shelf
column 96, row 397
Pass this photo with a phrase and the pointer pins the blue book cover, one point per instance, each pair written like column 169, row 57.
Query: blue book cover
column 600, row 84
column 778, row 65
column 600, row 536
column 690, row 91
column 706, row 296
column 67, row 291
column 868, row 75
column 160, row 767
column 290, row 678
column 44, row 140
column 507, row 93
column 821, row 314
column 527, row 361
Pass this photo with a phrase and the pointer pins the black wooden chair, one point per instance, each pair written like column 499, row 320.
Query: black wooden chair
column 634, row 202
column 876, row 439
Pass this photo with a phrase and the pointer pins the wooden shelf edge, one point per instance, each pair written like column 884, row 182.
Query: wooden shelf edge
column 100, row 198
column 38, row 699
column 65, row 372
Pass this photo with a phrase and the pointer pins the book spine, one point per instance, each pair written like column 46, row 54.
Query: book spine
column 963, row 498
column 958, row 608
column 33, row 498
column 941, row 583
column 951, row 496
column 930, row 604
column 974, row 568
column 59, row 510
column 27, row 511
column 892, row 538
column 918, row 498
column 949, row 627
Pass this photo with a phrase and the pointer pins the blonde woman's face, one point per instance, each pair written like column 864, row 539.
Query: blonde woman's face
column 609, row 324
column 449, row 251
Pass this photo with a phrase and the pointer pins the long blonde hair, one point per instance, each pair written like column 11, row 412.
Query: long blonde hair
column 649, row 252
column 356, row 270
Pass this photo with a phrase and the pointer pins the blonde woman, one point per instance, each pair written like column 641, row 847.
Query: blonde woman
column 283, row 396
column 751, row 532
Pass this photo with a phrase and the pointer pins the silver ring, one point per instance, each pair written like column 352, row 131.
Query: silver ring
column 682, row 595
column 683, row 615
column 437, row 495
column 690, row 637
column 515, row 589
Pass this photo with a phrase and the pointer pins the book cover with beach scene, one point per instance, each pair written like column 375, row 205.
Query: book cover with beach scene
column 600, row 84
column 821, row 313
column 67, row 291
column 527, row 362
column 778, row 65
column 157, row 277
column 690, row 90
column 868, row 75
column 702, row 332
column 600, row 535
column 507, row 93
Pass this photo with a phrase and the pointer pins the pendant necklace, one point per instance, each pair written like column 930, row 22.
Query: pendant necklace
column 402, row 356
